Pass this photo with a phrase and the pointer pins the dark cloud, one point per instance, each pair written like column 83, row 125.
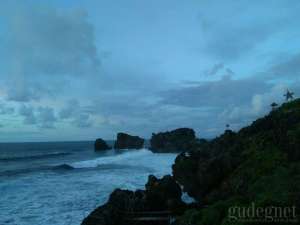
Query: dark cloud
column 236, row 28
column 45, row 44
column 22, row 95
column 32, row 91
column 78, row 115
column 28, row 113
column 4, row 109
column 220, row 93
column 83, row 121
column 210, row 106
column 289, row 67
column 232, row 43
column 48, row 54
column 70, row 109
column 43, row 117
column 46, row 117
column 215, row 69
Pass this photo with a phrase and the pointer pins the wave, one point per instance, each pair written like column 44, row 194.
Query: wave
column 143, row 159
column 36, row 156
column 129, row 159
column 62, row 167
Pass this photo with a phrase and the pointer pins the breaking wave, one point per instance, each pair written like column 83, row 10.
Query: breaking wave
column 36, row 156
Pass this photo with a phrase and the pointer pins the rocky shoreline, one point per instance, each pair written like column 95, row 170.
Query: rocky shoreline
column 177, row 140
column 260, row 164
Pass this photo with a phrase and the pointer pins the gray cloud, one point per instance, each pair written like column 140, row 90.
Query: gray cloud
column 220, row 93
column 43, row 44
column 22, row 94
column 4, row 109
column 46, row 117
column 78, row 115
column 289, row 67
column 210, row 106
column 70, row 109
column 236, row 28
column 28, row 113
column 43, row 117
column 49, row 55
column 32, row 91
column 215, row 69
column 82, row 121
column 232, row 43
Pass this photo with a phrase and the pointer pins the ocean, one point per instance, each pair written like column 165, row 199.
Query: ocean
column 61, row 183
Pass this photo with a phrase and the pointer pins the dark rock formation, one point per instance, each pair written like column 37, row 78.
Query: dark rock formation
column 163, row 194
column 100, row 145
column 160, row 194
column 126, row 141
column 178, row 140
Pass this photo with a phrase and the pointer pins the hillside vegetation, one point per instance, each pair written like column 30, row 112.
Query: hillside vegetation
column 258, row 165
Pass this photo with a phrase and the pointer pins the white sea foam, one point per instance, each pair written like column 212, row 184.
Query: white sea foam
column 67, row 196
column 135, row 158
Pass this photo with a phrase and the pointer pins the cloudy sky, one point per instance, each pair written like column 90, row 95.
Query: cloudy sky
column 81, row 69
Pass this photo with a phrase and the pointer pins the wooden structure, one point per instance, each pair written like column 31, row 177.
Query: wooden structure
column 149, row 218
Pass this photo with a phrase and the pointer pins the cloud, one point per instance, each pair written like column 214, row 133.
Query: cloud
column 220, row 93
column 49, row 54
column 43, row 117
column 83, row 121
column 236, row 41
column 70, row 109
column 215, row 69
column 78, row 115
column 209, row 106
column 289, row 67
column 28, row 113
column 4, row 109
column 258, row 106
column 20, row 93
column 45, row 44
column 46, row 117
column 235, row 29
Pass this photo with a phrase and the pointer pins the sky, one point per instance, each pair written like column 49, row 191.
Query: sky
column 84, row 69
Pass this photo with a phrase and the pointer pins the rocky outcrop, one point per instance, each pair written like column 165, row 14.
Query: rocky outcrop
column 160, row 194
column 178, row 140
column 126, row 141
column 100, row 145
column 163, row 194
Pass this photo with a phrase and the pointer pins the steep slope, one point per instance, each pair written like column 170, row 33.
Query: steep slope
column 258, row 165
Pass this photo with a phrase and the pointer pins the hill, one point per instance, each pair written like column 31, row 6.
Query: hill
column 257, row 167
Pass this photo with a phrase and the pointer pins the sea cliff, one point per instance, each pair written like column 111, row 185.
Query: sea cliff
column 258, row 165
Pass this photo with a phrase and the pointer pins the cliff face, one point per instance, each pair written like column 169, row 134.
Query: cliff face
column 173, row 141
column 126, row 141
column 260, row 164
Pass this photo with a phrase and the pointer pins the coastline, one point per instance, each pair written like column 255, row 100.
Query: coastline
column 219, row 174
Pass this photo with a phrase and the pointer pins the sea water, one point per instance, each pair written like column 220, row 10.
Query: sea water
column 61, row 183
